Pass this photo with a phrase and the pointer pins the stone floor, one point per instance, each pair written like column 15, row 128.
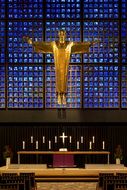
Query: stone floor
column 66, row 186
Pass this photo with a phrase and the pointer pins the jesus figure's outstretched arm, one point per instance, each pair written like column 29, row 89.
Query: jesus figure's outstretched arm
column 82, row 47
column 40, row 46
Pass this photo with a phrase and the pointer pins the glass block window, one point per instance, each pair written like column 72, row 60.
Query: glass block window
column 62, row 9
column 18, row 50
column 25, row 87
column 101, row 87
column 124, row 8
column 2, row 87
column 124, row 42
column 2, row 9
column 107, row 50
column 19, row 9
column 2, row 42
column 73, row 90
column 124, row 87
column 73, row 30
column 101, row 9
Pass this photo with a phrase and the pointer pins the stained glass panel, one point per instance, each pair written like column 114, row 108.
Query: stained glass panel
column 2, row 9
column 2, row 87
column 124, row 42
column 2, row 42
column 72, row 33
column 101, row 87
column 101, row 9
column 25, row 87
column 124, row 8
column 107, row 50
column 62, row 9
column 124, row 87
column 73, row 90
column 18, row 50
column 25, row 9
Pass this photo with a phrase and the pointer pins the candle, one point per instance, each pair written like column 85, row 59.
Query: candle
column 93, row 139
column 77, row 145
column 31, row 139
column 103, row 145
column 90, row 145
column 43, row 139
column 81, row 139
column 49, row 144
column 70, row 139
column 23, row 145
column 36, row 144
column 55, row 139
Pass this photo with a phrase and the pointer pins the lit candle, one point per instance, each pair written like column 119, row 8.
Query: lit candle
column 36, row 144
column 23, row 145
column 90, row 145
column 103, row 145
column 49, row 144
column 93, row 139
column 70, row 139
column 43, row 139
column 81, row 139
column 31, row 139
column 77, row 145
column 55, row 139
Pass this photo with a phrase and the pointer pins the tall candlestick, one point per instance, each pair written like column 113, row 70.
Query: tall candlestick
column 90, row 145
column 36, row 144
column 23, row 145
column 70, row 139
column 55, row 139
column 103, row 145
column 77, row 145
column 31, row 139
column 43, row 139
column 93, row 139
column 49, row 144
column 81, row 139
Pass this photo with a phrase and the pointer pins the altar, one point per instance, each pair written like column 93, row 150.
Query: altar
column 64, row 158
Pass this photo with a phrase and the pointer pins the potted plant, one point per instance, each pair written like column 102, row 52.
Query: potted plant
column 7, row 155
column 118, row 155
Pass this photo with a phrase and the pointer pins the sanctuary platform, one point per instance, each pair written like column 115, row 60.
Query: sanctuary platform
column 42, row 173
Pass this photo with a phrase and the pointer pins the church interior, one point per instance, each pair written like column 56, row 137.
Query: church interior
column 76, row 136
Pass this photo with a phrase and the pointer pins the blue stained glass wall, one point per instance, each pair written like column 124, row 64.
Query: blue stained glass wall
column 73, row 91
column 25, row 87
column 107, row 50
column 101, row 87
column 18, row 50
column 101, row 9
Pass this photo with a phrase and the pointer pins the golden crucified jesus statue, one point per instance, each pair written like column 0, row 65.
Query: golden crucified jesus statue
column 61, row 50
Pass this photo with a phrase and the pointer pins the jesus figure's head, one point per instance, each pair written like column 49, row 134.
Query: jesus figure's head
column 62, row 36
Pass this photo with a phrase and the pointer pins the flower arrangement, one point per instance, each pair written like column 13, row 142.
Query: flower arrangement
column 118, row 153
